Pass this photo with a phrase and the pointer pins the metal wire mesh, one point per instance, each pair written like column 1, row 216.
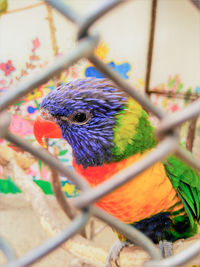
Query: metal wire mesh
column 166, row 132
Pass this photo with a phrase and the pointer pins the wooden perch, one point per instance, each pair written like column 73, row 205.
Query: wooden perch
column 23, row 160
column 88, row 251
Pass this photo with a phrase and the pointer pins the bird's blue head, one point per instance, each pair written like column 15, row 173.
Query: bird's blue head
column 85, row 111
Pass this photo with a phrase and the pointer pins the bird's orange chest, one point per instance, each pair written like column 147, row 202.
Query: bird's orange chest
column 147, row 194
column 98, row 174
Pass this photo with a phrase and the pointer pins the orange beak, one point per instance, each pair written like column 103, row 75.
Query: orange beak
column 45, row 129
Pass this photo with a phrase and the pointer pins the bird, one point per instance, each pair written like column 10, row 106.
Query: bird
column 108, row 131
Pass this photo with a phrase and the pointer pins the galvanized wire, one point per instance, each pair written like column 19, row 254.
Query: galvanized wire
column 167, row 131
column 95, row 15
column 66, row 11
column 181, row 116
column 48, row 159
column 7, row 250
column 85, row 47
column 179, row 259
column 76, row 225
column 113, row 75
column 134, row 235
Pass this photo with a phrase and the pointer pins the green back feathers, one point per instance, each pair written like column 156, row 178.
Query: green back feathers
column 182, row 172
column 186, row 182
column 133, row 132
column 182, row 228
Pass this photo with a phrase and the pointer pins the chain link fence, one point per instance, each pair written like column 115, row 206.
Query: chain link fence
column 167, row 133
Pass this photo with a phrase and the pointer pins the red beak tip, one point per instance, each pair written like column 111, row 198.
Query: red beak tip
column 45, row 129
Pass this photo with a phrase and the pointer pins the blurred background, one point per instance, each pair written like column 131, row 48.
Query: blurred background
column 156, row 47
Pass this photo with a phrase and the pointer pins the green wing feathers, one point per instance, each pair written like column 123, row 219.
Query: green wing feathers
column 186, row 182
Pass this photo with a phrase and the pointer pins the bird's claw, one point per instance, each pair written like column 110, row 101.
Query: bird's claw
column 166, row 248
column 114, row 252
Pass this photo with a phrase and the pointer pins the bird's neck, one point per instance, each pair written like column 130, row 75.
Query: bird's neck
column 133, row 132
column 98, row 174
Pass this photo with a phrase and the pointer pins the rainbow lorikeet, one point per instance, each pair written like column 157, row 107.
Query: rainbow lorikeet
column 109, row 131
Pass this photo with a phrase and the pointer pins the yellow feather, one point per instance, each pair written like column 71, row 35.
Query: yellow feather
column 127, row 123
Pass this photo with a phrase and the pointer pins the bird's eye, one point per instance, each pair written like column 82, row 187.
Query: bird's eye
column 79, row 117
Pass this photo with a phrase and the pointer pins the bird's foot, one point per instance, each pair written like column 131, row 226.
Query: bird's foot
column 166, row 248
column 114, row 252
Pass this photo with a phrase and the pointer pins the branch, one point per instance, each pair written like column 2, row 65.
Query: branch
column 23, row 160
column 88, row 251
